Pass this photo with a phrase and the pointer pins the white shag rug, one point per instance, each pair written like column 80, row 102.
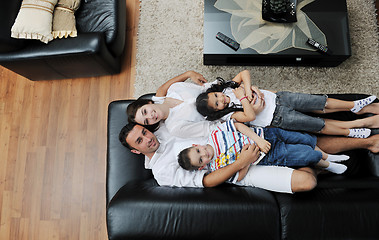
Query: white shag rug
column 170, row 42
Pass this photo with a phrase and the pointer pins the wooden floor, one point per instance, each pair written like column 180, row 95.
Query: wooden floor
column 53, row 150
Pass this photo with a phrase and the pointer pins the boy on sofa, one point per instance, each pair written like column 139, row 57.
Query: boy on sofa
column 283, row 148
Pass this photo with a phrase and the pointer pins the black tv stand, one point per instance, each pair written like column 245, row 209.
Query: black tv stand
column 330, row 16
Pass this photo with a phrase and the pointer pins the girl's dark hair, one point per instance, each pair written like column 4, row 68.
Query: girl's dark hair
column 202, row 101
column 132, row 109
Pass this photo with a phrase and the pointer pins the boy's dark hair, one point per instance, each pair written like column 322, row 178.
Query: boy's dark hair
column 124, row 133
column 132, row 109
column 202, row 101
column 185, row 161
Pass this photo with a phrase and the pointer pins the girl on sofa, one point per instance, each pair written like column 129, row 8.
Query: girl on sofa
column 231, row 100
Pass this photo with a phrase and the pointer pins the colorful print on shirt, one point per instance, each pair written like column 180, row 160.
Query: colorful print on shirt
column 228, row 143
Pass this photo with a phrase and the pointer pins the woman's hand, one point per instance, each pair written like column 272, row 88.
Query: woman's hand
column 239, row 92
column 197, row 78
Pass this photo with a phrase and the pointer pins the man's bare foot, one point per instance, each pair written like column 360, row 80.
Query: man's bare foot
column 374, row 143
column 371, row 108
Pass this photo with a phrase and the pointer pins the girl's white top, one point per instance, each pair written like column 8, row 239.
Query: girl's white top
column 264, row 118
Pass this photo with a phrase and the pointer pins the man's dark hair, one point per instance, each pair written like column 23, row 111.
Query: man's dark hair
column 185, row 161
column 124, row 133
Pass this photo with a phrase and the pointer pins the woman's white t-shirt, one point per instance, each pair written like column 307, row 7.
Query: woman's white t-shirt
column 184, row 120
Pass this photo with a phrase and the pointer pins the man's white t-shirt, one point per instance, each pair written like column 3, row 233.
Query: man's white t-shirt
column 164, row 163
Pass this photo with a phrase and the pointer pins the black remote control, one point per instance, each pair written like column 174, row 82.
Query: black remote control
column 228, row 41
column 321, row 48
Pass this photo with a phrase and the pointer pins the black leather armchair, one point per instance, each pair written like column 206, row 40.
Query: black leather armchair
column 340, row 207
column 96, row 51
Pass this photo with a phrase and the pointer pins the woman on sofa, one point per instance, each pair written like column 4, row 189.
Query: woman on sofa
column 177, row 109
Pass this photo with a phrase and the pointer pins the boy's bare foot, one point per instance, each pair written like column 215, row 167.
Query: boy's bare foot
column 374, row 143
column 372, row 108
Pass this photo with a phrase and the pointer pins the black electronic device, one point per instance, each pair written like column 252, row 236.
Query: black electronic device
column 320, row 47
column 281, row 11
column 228, row 41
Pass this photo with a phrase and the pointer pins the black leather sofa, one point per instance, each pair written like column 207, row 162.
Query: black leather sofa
column 96, row 51
column 340, row 207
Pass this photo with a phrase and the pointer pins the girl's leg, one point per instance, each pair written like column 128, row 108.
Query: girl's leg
column 336, row 105
column 349, row 128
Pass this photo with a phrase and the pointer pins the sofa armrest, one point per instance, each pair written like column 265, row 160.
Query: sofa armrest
column 85, row 43
column 84, row 56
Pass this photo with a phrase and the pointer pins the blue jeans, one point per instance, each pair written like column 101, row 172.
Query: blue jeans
column 290, row 148
column 290, row 109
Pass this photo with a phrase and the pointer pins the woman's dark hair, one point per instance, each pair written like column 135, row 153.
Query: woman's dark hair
column 202, row 101
column 132, row 109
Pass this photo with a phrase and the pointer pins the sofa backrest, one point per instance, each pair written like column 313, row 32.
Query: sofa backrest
column 8, row 14
column 123, row 166
column 102, row 16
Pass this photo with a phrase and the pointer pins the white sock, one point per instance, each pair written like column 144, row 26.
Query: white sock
column 336, row 168
column 336, row 158
column 359, row 132
column 359, row 104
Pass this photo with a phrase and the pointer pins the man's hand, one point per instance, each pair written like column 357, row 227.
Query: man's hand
column 249, row 154
column 258, row 105
column 239, row 92
column 256, row 90
column 197, row 78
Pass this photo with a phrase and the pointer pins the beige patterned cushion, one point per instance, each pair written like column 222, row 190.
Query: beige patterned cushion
column 64, row 23
column 34, row 20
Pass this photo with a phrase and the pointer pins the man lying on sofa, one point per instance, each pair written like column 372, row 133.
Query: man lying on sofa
column 161, row 158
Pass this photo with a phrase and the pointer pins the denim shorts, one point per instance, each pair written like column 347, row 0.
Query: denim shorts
column 290, row 148
column 290, row 109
